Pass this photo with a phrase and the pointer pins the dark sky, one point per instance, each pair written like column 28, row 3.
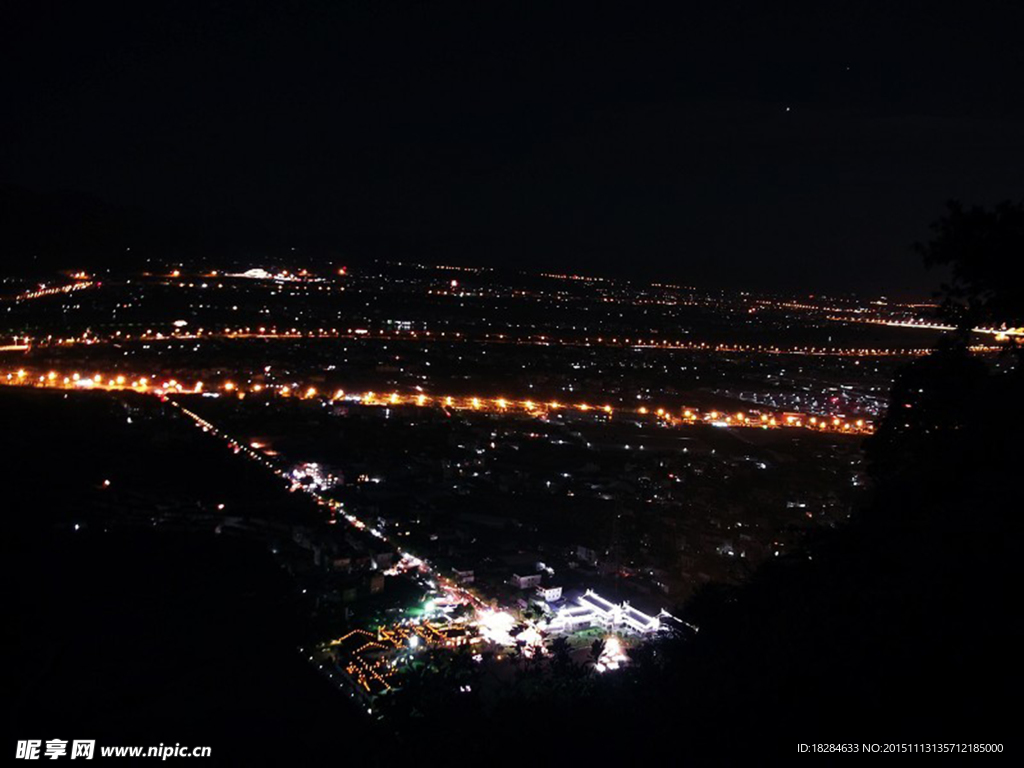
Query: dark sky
column 778, row 145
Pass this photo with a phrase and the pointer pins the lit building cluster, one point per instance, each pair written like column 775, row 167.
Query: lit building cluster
column 284, row 276
column 592, row 610
column 372, row 660
column 311, row 474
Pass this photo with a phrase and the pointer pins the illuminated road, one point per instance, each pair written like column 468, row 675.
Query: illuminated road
column 44, row 291
column 750, row 418
column 335, row 510
column 536, row 340
column 1000, row 334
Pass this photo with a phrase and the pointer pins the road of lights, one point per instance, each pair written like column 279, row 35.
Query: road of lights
column 830, row 311
column 334, row 507
column 755, row 418
column 1000, row 334
column 408, row 562
column 540, row 340
column 44, row 291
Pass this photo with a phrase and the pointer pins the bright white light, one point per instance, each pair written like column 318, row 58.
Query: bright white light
column 496, row 626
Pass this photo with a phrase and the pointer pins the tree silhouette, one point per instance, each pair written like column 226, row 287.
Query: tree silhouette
column 983, row 250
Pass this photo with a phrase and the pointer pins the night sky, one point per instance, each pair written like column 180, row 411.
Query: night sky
column 718, row 143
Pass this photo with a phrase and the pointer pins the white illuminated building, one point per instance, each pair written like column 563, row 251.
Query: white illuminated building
column 549, row 594
column 592, row 610
column 258, row 273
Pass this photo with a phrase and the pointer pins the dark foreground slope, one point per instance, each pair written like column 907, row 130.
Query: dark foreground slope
column 136, row 634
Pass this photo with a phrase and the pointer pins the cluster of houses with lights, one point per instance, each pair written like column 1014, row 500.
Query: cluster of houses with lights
column 592, row 610
column 589, row 611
